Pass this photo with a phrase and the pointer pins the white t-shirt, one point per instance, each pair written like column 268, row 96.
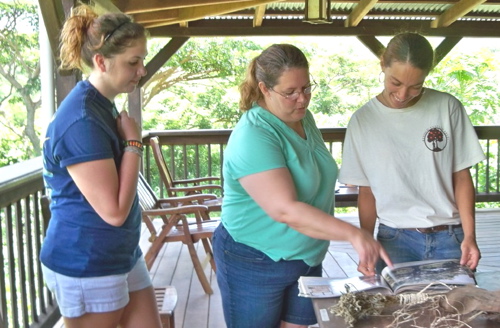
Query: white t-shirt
column 407, row 156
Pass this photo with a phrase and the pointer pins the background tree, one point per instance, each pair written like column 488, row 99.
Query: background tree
column 197, row 87
column 473, row 78
column 19, row 81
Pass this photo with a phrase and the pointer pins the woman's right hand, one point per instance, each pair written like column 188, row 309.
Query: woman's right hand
column 369, row 251
column 128, row 127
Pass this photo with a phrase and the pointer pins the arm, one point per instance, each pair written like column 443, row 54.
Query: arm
column 275, row 192
column 111, row 192
column 465, row 199
column 367, row 209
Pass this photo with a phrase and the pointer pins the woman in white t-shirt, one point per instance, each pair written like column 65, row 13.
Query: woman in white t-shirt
column 409, row 150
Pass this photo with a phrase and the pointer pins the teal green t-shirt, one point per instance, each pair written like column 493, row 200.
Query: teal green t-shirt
column 260, row 142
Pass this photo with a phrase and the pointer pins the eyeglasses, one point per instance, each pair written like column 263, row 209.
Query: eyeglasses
column 293, row 96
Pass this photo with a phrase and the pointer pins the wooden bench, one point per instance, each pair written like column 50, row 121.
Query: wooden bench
column 166, row 298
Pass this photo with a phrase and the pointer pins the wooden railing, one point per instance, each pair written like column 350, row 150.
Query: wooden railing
column 25, row 301
column 186, row 153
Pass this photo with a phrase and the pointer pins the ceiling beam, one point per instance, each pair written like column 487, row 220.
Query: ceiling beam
column 161, row 57
column 134, row 6
column 444, row 48
column 157, row 16
column 259, row 15
column 372, row 43
column 53, row 17
column 208, row 28
column 200, row 12
column 212, row 28
column 455, row 12
column 104, row 6
column 359, row 12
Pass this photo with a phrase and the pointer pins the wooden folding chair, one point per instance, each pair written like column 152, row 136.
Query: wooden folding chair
column 176, row 226
column 166, row 297
column 180, row 187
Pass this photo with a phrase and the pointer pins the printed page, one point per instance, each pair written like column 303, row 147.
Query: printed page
column 321, row 287
column 418, row 275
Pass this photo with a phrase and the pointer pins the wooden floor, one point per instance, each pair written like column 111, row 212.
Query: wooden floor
column 195, row 309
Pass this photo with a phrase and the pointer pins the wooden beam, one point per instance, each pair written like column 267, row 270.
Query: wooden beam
column 134, row 6
column 157, row 16
column 372, row 43
column 161, row 57
column 455, row 12
column 235, row 28
column 444, row 48
column 259, row 15
column 104, row 6
column 359, row 12
column 53, row 18
column 200, row 12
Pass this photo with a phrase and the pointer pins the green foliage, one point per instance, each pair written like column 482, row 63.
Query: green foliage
column 18, row 57
column 198, row 85
column 473, row 78
column 19, row 82
column 345, row 86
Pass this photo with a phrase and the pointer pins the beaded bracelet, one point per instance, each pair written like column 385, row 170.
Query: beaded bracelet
column 134, row 143
column 134, row 149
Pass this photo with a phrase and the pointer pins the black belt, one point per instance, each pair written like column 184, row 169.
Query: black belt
column 435, row 229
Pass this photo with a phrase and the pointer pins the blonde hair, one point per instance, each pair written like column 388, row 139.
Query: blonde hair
column 268, row 68
column 85, row 34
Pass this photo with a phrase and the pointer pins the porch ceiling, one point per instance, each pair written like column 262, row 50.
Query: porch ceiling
column 186, row 18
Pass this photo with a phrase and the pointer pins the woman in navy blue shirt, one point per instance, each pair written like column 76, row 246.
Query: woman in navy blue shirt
column 91, row 256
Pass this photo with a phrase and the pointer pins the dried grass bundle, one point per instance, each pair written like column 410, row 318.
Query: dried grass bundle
column 353, row 306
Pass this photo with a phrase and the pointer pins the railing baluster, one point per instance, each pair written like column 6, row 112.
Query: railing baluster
column 13, row 306
column 20, row 264
column 487, row 183
column 3, row 290
column 497, row 182
column 209, row 162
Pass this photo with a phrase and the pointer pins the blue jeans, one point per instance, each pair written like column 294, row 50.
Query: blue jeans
column 257, row 291
column 404, row 245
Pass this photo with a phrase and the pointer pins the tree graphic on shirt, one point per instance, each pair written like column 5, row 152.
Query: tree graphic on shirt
column 435, row 136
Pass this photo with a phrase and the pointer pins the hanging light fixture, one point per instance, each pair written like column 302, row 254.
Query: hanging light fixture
column 317, row 11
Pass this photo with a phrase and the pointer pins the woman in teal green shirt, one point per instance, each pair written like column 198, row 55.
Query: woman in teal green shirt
column 279, row 180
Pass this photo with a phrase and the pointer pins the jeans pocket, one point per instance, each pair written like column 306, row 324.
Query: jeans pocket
column 242, row 252
column 387, row 233
column 458, row 236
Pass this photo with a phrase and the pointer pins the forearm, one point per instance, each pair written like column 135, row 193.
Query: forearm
column 465, row 200
column 315, row 223
column 127, row 181
column 367, row 209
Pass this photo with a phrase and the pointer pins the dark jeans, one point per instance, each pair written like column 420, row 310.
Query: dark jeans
column 257, row 291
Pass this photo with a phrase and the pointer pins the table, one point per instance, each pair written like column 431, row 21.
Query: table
column 346, row 196
column 326, row 319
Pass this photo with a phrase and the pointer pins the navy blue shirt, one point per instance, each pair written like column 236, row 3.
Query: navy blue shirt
column 79, row 243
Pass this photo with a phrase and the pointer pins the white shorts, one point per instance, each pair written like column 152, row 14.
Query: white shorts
column 77, row 296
